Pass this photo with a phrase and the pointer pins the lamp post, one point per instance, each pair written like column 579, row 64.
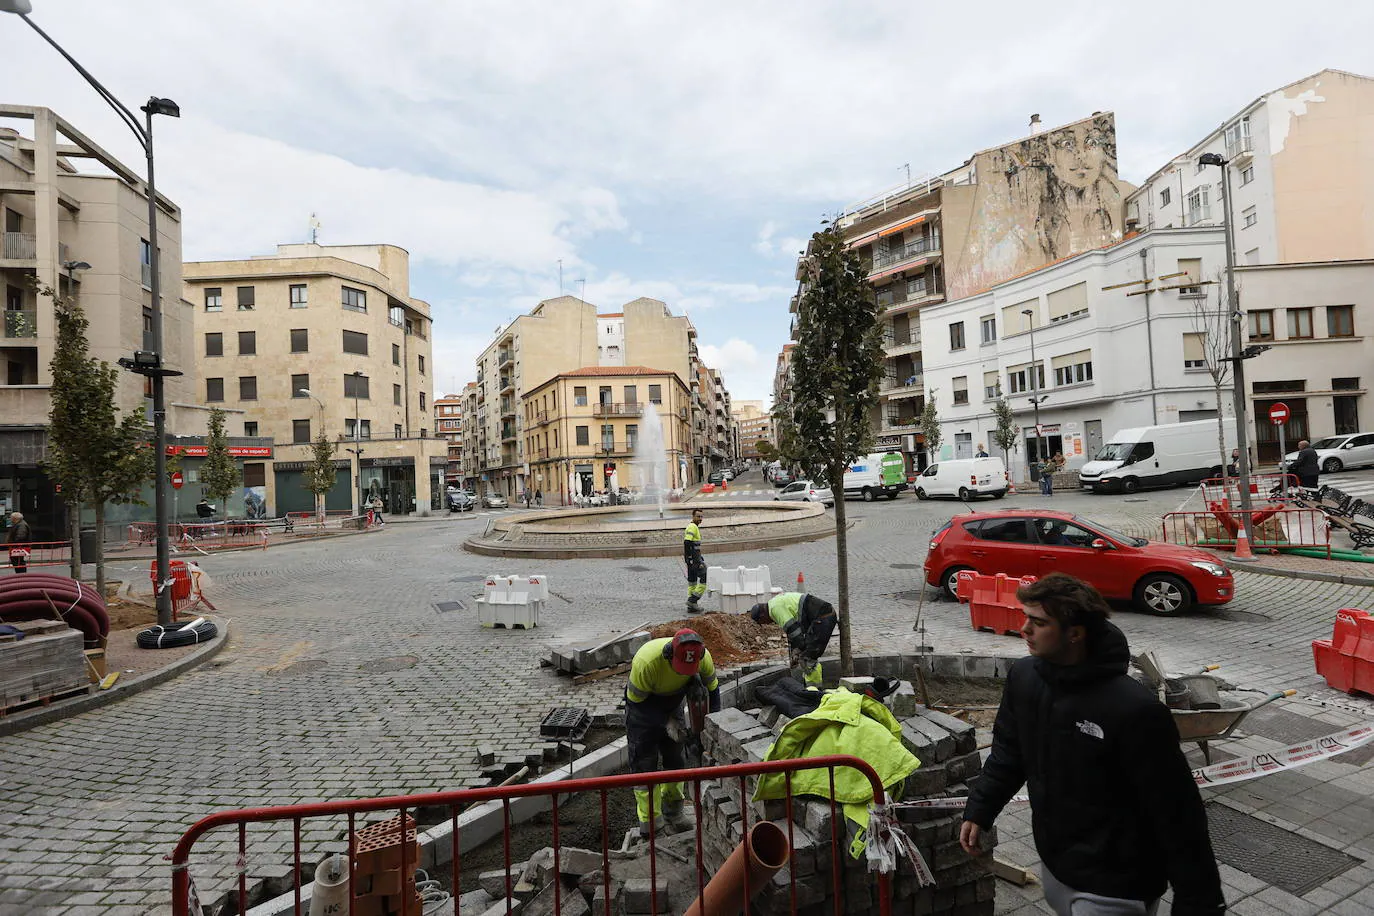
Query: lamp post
column 307, row 393
column 1238, row 354
column 1035, row 387
column 144, row 362
column 357, row 450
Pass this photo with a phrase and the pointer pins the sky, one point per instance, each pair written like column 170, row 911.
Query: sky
column 679, row 151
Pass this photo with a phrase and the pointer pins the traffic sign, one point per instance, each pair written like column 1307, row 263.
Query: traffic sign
column 1278, row 413
column 177, row 480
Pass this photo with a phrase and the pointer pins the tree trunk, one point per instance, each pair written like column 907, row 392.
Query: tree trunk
column 319, row 509
column 842, row 568
column 100, row 548
column 1221, row 434
column 74, row 527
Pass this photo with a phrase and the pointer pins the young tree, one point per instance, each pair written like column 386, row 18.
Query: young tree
column 219, row 475
column 1005, row 436
column 320, row 474
column 834, row 384
column 1213, row 326
column 766, row 450
column 930, row 425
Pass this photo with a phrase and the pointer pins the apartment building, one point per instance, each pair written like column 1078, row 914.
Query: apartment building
column 754, row 424
column 1003, row 212
column 559, row 336
column 75, row 219
column 448, row 424
column 324, row 339
column 1298, row 157
column 1107, row 340
column 589, row 430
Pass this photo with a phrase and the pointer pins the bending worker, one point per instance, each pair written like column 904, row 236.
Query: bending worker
column 662, row 673
column 696, row 563
column 808, row 622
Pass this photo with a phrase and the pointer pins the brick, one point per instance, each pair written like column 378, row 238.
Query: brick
column 927, row 780
column 638, row 895
column 494, row 881
column 575, row 862
column 964, row 733
column 964, row 767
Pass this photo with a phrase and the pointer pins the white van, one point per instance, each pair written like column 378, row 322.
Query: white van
column 1158, row 456
column 878, row 474
column 963, row 478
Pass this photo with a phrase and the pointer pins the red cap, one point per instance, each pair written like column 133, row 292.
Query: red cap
column 688, row 650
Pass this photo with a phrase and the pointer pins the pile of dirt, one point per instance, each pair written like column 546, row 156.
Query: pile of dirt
column 732, row 639
column 125, row 615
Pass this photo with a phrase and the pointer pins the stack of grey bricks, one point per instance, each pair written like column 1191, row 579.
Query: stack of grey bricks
column 820, row 840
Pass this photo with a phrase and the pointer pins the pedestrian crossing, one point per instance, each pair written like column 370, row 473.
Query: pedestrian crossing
column 1361, row 488
column 757, row 493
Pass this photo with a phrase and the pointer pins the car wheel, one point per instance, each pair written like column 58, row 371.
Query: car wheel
column 949, row 583
column 868, row 495
column 1130, row 485
column 963, row 493
column 999, row 494
column 920, row 494
column 777, row 499
column 892, row 495
column 1332, row 465
column 1163, row 594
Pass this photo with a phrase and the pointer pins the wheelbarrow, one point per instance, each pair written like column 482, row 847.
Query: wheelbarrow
column 1204, row 725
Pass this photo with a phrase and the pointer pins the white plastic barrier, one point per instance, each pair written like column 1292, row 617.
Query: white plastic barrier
column 739, row 587
column 512, row 601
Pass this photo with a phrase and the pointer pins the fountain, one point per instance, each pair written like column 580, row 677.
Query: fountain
column 651, row 458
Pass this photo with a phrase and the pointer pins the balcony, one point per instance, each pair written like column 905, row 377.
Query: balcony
column 21, row 323
column 19, row 246
column 505, row 357
column 542, row 417
column 902, row 296
column 908, row 341
column 1240, row 150
column 508, row 407
column 608, row 409
column 507, row 432
column 539, row 454
column 611, row 447
column 921, row 248
column 507, row 383
column 893, row 387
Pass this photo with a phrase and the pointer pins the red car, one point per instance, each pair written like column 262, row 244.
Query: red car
column 1160, row 578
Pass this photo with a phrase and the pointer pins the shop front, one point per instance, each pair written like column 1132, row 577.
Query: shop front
column 293, row 496
column 392, row 480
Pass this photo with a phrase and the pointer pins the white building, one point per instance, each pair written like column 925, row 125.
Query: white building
column 1104, row 358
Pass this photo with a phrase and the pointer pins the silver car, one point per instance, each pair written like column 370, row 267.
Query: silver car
column 495, row 501
column 1338, row 453
column 807, row 492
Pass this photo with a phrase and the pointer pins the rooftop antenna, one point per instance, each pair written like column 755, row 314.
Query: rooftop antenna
column 583, row 295
column 907, row 166
column 560, row 276
column 314, row 229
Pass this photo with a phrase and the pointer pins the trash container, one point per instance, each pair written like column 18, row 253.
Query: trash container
column 87, row 544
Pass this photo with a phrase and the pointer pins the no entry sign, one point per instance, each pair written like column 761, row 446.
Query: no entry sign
column 176, row 480
column 1278, row 413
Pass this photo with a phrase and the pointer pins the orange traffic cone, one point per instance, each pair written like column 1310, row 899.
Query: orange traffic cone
column 801, row 581
column 1243, row 553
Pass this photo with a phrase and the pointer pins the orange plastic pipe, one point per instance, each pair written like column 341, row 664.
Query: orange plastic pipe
column 768, row 852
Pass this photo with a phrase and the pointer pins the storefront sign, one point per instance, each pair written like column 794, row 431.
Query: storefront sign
column 237, row 451
column 387, row 462
column 888, row 442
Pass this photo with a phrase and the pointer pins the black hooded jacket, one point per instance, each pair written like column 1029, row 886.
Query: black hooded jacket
column 1114, row 807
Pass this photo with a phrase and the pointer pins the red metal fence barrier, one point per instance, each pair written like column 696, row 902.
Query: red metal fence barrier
column 402, row 828
column 1282, row 487
column 205, row 535
column 40, row 553
column 1277, row 526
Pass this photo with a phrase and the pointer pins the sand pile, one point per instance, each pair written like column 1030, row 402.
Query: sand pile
column 731, row 638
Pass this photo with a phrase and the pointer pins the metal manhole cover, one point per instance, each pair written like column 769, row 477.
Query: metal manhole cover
column 448, row 607
column 305, row 666
column 1276, row 856
column 1285, row 726
column 639, row 569
column 904, row 566
column 390, row 663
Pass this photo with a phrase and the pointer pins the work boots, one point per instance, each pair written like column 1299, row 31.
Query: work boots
column 678, row 818
column 692, row 606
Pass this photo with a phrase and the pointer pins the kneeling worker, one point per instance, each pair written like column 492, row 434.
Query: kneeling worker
column 662, row 673
column 808, row 622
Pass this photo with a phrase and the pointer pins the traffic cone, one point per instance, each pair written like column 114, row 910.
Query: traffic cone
column 801, row 582
column 1243, row 553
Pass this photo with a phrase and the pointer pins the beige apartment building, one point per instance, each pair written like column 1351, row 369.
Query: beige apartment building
column 324, row 339
column 448, row 424
column 560, row 336
column 585, row 430
column 76, row 219
column 754, row 424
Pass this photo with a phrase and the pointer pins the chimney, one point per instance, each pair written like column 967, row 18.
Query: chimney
column 1035, row 127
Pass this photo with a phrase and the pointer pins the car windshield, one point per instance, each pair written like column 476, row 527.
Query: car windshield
column 1110, row 532
column 1115, row 451
column 1330, row 442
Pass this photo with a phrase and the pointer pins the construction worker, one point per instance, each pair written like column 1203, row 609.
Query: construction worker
column 808, row 622
column 661, row 675
column 696, row 564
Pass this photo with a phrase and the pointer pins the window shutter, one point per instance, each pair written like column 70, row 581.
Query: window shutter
column 1192, row 347
column 1068, row 301
column 990, row 379
column 1070, row 359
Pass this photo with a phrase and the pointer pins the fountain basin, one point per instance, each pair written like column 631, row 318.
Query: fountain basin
column 637, row 531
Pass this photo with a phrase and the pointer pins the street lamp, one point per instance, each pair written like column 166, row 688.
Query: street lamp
column 357, row 449
column 71, row 267
column 1036, row 399
column 1238, row 354
column 147, row 363
column 306, row 392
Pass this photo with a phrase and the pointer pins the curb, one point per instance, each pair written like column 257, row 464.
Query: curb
column 62, row 709
column 1305, row 574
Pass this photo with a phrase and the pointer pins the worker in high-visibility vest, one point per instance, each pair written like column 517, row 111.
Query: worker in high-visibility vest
column 662, row 672
column 696, row 563
column 807, row 621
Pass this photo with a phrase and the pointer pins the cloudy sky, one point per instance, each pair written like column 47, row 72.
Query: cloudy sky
column 674, row 150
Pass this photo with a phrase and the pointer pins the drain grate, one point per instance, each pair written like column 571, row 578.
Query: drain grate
column 1276, row 856
column 448, row 607
column 391, row 663
column 567, row 722
column 1226, row 613
column 1285, row 726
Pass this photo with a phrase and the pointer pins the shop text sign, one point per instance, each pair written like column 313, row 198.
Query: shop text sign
column 237, row 451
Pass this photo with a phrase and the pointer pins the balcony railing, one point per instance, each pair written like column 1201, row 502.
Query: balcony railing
column 903, row 338
column 906, row 252
column 608, row 409
column 1239, row 147
column 507, row 433
column 20, row 246
column 507, row 382
column 907, row 293
column 21, row 323
column 611, row 447
column 541, row 417
column 890, row 383
column 1199, row 215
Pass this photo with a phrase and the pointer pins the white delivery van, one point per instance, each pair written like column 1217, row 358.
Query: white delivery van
column 878, row 474
column 1158, row 456
column 963, row 478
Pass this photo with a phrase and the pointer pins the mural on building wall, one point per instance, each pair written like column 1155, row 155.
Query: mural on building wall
column 1037, row 200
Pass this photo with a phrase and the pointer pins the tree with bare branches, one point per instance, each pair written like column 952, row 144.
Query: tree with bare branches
column 1213, row 325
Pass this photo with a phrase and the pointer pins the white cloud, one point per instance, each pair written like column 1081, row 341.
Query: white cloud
column 748, row 374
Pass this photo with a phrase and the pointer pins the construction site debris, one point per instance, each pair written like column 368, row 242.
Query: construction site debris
column 732, row 639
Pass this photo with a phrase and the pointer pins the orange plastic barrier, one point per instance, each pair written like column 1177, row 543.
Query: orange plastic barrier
column 1346, row 660
column 992, row 603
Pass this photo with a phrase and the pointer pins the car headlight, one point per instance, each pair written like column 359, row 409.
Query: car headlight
column 1215, row 569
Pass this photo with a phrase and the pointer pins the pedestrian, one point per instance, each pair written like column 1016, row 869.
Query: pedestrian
column 204, row 509
column 808, row 623
column 661, row 674
column 1233, row 469
column 539, row 497
column 696, row 563
column 982, row 451
column 19, row 538
column 1306, row 466
column 376, row 506
column 1047, row 477
column 1116, row 814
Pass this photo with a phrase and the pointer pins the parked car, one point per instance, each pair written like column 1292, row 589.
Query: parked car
column 964, row 478
column 1160, row 578
column 878, row 474
column 782, row 478
column 717, row 477
column 806, row 491
column 1158, row 456
column 461, row 501
column 495, row 501
column 729, row 473
column 1338, row 453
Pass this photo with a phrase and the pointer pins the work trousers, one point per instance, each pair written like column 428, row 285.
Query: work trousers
column 649, row 744
column 696, row 577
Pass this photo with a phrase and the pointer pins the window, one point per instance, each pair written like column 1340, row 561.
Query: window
column 1194, row 353
column 1188, row 286
column 1247, row 175
column 364, row 428
column 1199, row 205
column 396, row 315
column 1299, row 324
column 1054, row 532
column 631, row 436
column 214, row 389
column 214, row 300
column 1248, row 218
column 1349, row 383
column 583, row 435
column 631, row 394
column 655, row 394
column 422, row 365
column 355, row 386
column 1005, row 530
column 300, row 340
column 300, row 383
column 396, row 431
column 1069, row 302
column 396, row 395
column 355, row 342
column 961, row 389
column 1340, row 321
column 250, row 427
column 1019, row 379
column 254, row 474
column 248, row 343
column 1164, row 198
column 395, row 354
column 580, row 399
column 214, row 344
column 1262, row 324
column 1014, row 322
column 355, row 300
column 145, row 260
column 248, row 387
column 608, row 436
column 246, row 298
column 956, row 336
column 300, row 431
column 422, row 401
column 1279, row 387
column 298, row 296
column 987, row 326
column 1073, row 368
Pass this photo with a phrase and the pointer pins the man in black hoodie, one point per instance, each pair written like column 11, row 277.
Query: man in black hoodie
column 1116, row 814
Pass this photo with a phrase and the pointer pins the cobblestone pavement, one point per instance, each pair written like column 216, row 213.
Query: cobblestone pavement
column 343, row 679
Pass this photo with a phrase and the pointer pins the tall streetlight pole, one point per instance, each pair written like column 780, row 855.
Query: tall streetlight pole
column 144, row 362
column 357, row 376
column 1238, row 355
column 1035, row 387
